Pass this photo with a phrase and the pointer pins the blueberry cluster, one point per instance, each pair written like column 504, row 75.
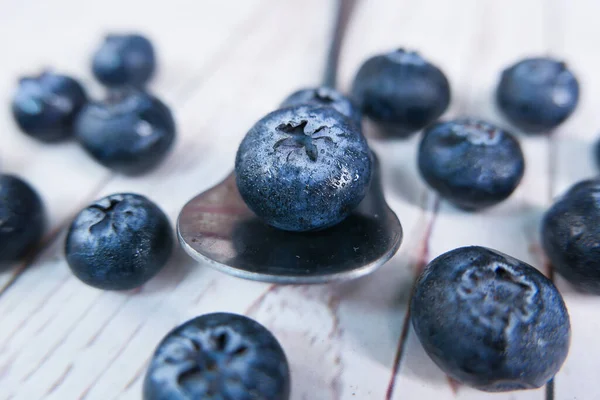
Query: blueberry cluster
column 120, row 241
column 130, row 131
column 487, row 319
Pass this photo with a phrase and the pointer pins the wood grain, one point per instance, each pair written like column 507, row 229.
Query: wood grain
column 224, row 64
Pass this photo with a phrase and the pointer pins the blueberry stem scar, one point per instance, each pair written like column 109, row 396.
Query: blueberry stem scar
column 299, row 138
column 344, row 12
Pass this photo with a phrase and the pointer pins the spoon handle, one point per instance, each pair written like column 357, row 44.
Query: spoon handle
column 342, row 18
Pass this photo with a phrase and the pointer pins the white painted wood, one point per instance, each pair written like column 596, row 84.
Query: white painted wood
column 224, row 64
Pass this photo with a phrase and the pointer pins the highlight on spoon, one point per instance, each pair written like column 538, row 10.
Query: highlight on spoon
column 216, row 227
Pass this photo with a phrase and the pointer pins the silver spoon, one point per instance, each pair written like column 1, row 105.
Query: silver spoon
column 216, row 227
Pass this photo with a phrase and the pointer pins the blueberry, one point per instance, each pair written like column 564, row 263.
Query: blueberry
column 325, row 96
column 22, row 218
column 471, row 163
column 401, row 92
column 218, row 356
column 303, row 168
column 45, row 106
column 571, row 233
column 119, row 242
column 490, row 321
column 537, row 94
column 131, row 132
column 124, row 60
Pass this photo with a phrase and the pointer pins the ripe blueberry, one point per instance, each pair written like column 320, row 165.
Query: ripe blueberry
column 124, row 60
column 571, row 233
column 471, row 163
column 119, row 242
column 218, row 356
column 131, row 132
column 303, row 168
column 45, row 106
column 490, row 321
column 22, row 218
column 401, row 92
column 537, row 94
column 325, row 97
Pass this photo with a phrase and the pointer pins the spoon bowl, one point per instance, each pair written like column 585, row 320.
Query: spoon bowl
column 217, row 228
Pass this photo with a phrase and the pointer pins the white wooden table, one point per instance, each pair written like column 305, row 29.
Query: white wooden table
column 224, row 64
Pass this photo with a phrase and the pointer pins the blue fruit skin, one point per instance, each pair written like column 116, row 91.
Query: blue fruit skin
column 119, row 242
column 470, row 163
column 490, row 321
column 45, row 106
column 401, row 92
column 537, row 94
column 22, row 218
column 303, row 168
column 124, row 60
column 325, row 97
column 570, row 233
column 131, row 132
column 218, row 356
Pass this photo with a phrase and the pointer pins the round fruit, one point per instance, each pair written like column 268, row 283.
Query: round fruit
column 218, row 356
column 490, row 321
column 119, row 242
column 303, row 168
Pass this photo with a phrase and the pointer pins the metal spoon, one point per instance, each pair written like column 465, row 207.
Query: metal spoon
column 218, row 228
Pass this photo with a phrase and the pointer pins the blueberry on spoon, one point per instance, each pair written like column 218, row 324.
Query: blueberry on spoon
column 218, row 356
column 401, row 92
column 119, row 242
column 45, row 106
column 22, row 218
column 124, row 60
column 131, row 132
column 303, row 168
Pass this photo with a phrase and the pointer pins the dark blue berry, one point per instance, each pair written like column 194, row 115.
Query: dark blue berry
column 131, row 132
column 124, row 60
column 22, row 218
column 470, row 163
column 401, row 92
column 325, row 97
column 303, row 168
column 537, row 94
column 45, row 106
column 571, row 234
column 218, row 356
column 490, row 321
column 119, row 242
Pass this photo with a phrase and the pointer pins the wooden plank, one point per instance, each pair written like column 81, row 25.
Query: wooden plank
column 574, row 32
column 503, row 32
